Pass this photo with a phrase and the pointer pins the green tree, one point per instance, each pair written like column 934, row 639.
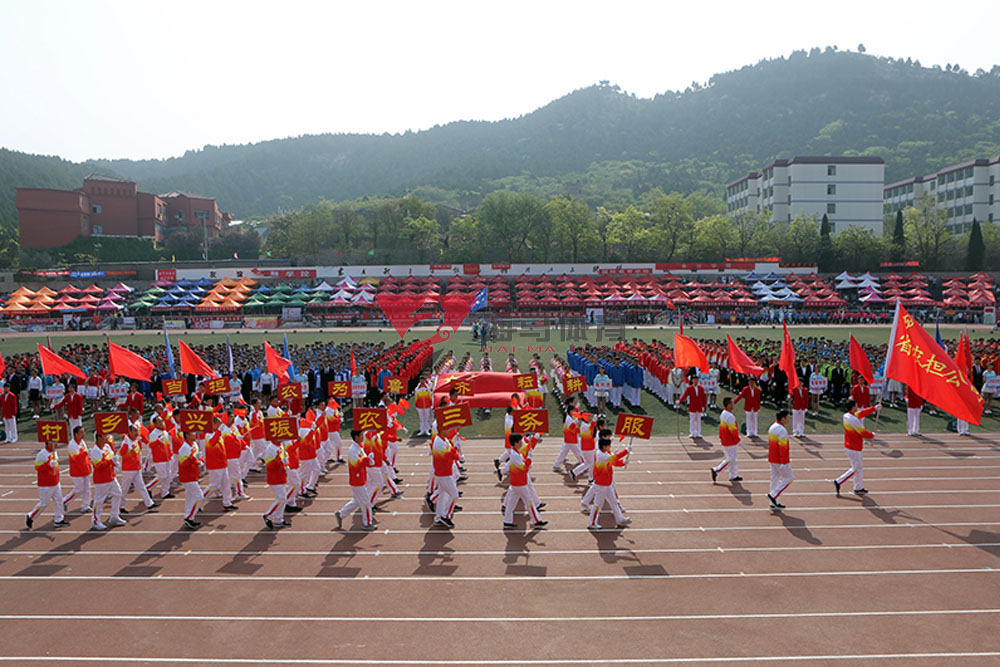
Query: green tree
column 977, row 249
column 991, row 243
column 464, row 240
column 574, row 230
column 751, row 232
column 826, row 249
column 423, row 234
column 898, row 239
column 508, row 221
column 858, row 248
column 799, row 240
column 671, row 222
column 629, row 232
column 714, row 239
column 927, row 230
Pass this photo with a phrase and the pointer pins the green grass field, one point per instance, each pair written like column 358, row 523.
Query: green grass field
column 523, row 343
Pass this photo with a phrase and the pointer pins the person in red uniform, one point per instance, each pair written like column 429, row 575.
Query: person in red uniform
column 518, row 466
column 102, row 458
column 779, row 459
column 604, row 491
column 276, row 470
column 729, row 436
column 800, row 403
column 571, row 435
column 188, row 472
column 135, row 401
column 855, row 435
column 695, row 397
column 80, row 471
column 49, row 491
column 234, row 452
column 159, row 448
column 358, row 462
column 914, row 404
column 444, row 457
column 861, row 394
column 751, row 406
column 131, row 474
column 73, row 402
column 217, row 465
column 588, row 445
column 8, row 409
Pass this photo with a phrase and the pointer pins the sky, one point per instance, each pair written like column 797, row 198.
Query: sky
column 149, row 79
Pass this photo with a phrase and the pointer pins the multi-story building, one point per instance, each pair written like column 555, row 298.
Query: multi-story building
column 848, row 190
column 966, row 191
column 108, row 206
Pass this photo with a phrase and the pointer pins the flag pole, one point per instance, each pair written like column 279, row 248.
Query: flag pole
column 888, row 357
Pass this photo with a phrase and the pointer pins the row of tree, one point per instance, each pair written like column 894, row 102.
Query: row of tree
column 520, row 227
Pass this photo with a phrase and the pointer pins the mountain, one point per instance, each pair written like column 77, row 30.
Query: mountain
column 599, row 142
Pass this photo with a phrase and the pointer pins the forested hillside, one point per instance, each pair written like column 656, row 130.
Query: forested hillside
column 598, row 144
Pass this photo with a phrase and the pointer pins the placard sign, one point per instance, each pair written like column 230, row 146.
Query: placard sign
column 817, row 383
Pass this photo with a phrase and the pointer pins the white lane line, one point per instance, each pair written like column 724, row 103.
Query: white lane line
column 497, row 619
column 497, row 531
column 520, row 661
column 545, row 552
column 567, row 577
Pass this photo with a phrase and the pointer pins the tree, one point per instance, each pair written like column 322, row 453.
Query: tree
column 991, row 241
column 629, row 232
column 861, row 48
column 750, row 232
column 464, row 240
column 858, row 248
column 423, row 234
column 714, row 239
column 508, row 220
column 800, row 240
column 927, row 230
column 574, row 230
column 826, row 250
column 898, row 239
column 239, row 241
column 671, row 221
column 977, row 249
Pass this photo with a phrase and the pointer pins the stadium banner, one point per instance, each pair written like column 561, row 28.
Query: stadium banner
column 338, row 388
column 216, row 386
column 395, row 385
column 195, row 421
column 280, row 428
column 525, row 381
column 260, row 322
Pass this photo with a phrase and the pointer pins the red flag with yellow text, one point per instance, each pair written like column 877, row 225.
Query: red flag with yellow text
column 916, row 360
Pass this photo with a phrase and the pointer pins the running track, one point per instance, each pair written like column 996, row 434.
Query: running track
column 909, row 575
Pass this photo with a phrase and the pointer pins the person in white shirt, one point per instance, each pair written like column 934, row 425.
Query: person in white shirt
column 49, row 490
column 571, row 436
column 35, row 393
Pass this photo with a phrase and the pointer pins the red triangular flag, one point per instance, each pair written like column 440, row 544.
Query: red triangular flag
column 276, row 363
column 916, row 360
column 192, row 364
column 786, row 361
column 128, row 364
column 859, row 361
column 739, row 361
column 53, row 364
column 687, row 353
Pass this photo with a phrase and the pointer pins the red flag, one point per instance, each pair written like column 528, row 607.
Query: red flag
column 128, row 364
column 681, row 318
column 687, row 353
column 786, row 361
column 276, row 363
column 193, row 364
column 3, row 366
column 916, row 360
column 353, row 367
column 739, row 361
column 53, row 364
column 963, row 355
column 671, row 306
column 859, row 361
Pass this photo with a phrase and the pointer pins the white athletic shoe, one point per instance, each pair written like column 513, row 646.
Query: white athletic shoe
column 116, row 521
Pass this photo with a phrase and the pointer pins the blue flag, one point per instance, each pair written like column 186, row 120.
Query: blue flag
column 291, row 369
column 170, row 353
column 229, row 351
column 481, row 300
column 937, row 331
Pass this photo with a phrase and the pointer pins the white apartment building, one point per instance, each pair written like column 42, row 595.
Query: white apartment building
column 848, row 190
column 964, row 191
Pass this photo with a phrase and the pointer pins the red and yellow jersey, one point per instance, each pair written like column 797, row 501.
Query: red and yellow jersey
column 571, row 428
column 424, row 397
column 187, row 463
column 444, row 456
column 855, row 432
column 47, row 468
column 215, row 452
column 257, row 425
column 729, row 432
column 777, row 444
column 103, row 460
column 587, row 442
column 519, row 466
column 274, row 464
column 358, row 462
column 159, row 445
column 604, row 465
column 307, row 446
column 131, row 453
column 232, row 444
column 79, row 459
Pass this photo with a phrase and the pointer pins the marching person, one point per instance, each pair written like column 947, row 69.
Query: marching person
column 855, row 435
column 277, row 477
column 188, row 472
column 571, row 430
column 131, row 462
column 444, row 456
column 778, row 458
column 334, row 419
column 257, row 442
column 358, row 462
column 102, row 458
column 800, row 403
column 751, row 405
column 729, row 436
column 159, row 447
column 49, row 491
column 80, row 471
column 234, row 463
column 695, row 397
column 914, row 405
column 518, row 466
column 217, row 465
column 8, row 410
column 423, row 400
column 588, row 445
column 604, row 492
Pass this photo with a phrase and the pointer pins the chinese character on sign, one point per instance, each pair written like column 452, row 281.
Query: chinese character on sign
column 216, row 386
column 573, row 384
column 366, row 419
column 194, row 421
column 50, row 431
column 175, row 387
column 453, row 416
column 634, row 426
column 463, row 387
column 110, row 422
column 339, row 388
column 525, row 381
column 277, row 429
column 531, row 421
column 395, row 385
column 290, row 391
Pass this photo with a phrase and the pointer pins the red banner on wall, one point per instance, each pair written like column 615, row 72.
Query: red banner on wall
column 470, row 269
column 166, row 275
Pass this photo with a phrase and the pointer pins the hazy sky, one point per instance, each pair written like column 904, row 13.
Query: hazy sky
column 150, row 79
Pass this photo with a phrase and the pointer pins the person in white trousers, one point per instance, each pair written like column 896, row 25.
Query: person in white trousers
column 914, row 405
column 855, row 435
column 729, row 436
column 131, row 474
column 102, row 458
column 518, row 466
column 571, row 432
column 604, row 490
column 277, row 478
column 80, row 471
column 49, row 490
column 779, row 460
column 358, row 463
column 188, row 472
column 445, row 457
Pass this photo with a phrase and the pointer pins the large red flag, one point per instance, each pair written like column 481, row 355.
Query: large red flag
column 128, row 364
column 3, row 366
column 859, row 361
column 687, row 353
column 786, row 361
column 916, row 360
column 739, row 361
column 193, row 364
column 963, row 354
column 53, row 364
column 276, row 363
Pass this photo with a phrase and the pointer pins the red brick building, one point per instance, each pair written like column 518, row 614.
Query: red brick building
column 108, row 206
